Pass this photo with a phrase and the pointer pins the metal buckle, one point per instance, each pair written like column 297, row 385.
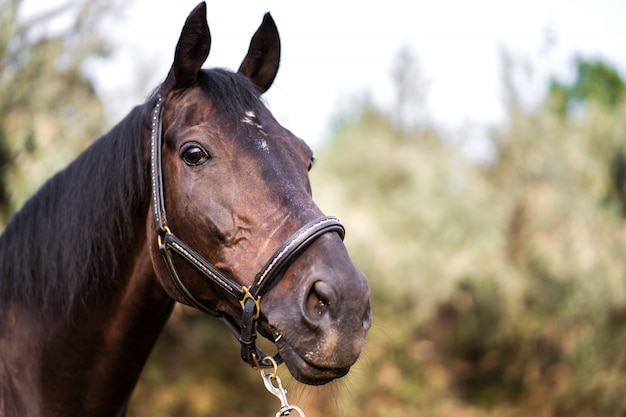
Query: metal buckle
column 162, row 232
column 257, row 302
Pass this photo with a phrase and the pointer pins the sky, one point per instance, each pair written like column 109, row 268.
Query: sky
column 334, row 51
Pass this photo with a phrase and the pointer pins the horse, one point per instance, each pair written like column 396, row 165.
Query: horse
column 198, row 196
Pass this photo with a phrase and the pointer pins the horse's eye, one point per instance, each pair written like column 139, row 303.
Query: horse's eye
column 194, row 155
column 311, row 162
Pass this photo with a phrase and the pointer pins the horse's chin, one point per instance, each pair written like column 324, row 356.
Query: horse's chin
column 303, row 370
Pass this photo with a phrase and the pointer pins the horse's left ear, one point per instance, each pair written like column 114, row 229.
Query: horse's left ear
column 191, row 51
column 261, row 62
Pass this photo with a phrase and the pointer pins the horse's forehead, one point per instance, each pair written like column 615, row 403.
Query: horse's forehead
column 197, row 107
column 193, row 108
column 250, row 127
column 254, row 125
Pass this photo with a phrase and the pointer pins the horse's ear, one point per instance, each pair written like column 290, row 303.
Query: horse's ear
column 261, row 62
column 191, row 51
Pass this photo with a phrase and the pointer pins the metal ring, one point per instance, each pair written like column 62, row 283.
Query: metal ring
column 274, row 365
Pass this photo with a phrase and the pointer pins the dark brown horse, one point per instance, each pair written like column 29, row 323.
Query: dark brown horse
column 186, row 199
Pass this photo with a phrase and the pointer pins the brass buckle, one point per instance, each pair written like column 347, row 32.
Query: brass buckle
column 166, row 231
column 257, row 302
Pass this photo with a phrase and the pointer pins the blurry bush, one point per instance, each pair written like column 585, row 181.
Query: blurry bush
column 49, row 109
column 498, row 287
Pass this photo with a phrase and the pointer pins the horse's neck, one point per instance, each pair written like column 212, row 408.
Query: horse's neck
column 74, row 238
column 110, row 347
column 84, row 359
column 90, row 366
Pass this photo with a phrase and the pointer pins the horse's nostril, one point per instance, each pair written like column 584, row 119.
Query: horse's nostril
column 319, row 300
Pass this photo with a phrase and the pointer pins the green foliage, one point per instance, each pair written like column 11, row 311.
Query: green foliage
column 596, row 82
column 49, row 109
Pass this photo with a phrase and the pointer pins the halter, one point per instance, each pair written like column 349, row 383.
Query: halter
column 248, row 298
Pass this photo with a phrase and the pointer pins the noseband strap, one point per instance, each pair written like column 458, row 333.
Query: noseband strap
column 248, row 298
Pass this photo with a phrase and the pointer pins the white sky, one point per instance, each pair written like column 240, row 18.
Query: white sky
column 334, row 50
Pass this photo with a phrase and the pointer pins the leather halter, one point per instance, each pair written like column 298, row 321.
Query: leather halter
column 249, row 298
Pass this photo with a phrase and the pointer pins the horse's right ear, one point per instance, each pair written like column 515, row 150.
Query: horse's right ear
column 191, row 51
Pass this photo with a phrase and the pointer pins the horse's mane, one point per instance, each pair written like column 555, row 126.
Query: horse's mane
column 64, row 241
column 65, row 244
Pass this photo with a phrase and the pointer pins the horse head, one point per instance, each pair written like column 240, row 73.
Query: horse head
column 235, row 187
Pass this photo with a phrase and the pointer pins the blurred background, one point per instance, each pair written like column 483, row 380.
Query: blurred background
column 475, row 152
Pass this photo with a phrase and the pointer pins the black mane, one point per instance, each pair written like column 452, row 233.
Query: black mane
column 62, row 246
